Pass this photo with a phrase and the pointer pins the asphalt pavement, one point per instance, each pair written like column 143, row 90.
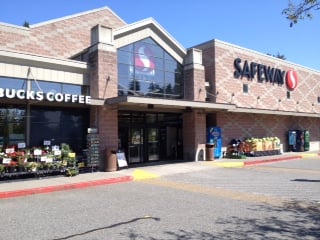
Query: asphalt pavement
column 23, row 187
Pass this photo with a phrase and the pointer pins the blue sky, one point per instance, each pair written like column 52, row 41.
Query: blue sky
column 253, row 24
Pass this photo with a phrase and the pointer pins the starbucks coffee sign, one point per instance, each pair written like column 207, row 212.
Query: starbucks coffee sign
column 40, row 96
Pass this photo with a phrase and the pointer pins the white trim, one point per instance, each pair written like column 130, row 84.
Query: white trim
column 76, row 15
column 22, row 57
column 226, row 44
column 149, row 28
column 14, row 26
column 144, row 23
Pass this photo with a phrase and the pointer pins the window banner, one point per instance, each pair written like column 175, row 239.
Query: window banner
column 144, row 60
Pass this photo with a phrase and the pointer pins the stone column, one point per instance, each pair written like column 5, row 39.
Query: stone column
column 194, row 120
column 104, row 85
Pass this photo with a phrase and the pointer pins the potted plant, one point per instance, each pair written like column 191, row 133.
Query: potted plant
column 2, row 169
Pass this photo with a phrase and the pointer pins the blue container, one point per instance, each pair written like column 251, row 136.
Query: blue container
column 214, row 137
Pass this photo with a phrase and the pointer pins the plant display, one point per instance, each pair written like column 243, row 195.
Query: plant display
column 253, row 147
column 38, row 161
column 263, row 144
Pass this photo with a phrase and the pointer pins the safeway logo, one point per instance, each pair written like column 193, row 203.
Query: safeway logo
column 292, row 79
column 144, row 60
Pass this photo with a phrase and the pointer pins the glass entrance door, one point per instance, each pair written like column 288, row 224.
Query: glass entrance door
column 147, row 137
column 135, row 146
column 153, row 144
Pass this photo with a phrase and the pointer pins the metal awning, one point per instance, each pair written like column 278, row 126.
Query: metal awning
column 144, row 103
column 165, row 104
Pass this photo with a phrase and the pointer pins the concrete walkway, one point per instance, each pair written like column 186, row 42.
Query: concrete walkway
column 17, row 188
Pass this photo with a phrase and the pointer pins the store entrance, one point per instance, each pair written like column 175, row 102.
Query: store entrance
column 153, row 139
column 135, row 145
column 143, row 144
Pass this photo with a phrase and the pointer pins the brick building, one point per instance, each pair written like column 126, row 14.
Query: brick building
column 144, row 92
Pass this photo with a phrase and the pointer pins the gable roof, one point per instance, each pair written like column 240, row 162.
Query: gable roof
column 149, row 28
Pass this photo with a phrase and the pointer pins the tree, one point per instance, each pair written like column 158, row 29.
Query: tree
column 296, row 12
column 26, row 24
column 278, row 55
column 134, row 87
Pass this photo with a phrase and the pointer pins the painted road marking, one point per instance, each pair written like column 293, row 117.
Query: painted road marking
column 280, row 169
column 141, row 175
column 306, row 155
column 219, row 192
column 226, row 164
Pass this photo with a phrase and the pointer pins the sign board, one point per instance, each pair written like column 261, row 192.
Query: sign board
column 37, row 152
column 40, row 96
column 92, row 130
column 55, row 148
column 121, row 159
column 9, row 150
column 21, row 145
column 57, row 152
column 6, row 160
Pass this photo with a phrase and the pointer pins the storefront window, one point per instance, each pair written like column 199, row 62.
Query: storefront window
column 13, row 83
column 44, row 86
column 59, row 126
column 145, row 69
column 12, row 125
column 59, row 88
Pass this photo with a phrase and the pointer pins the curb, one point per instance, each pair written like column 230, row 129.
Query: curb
column 40, row 190
column 239, row 164
column 249, row 163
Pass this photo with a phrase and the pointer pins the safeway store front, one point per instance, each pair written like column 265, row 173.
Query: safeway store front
column 105, row 85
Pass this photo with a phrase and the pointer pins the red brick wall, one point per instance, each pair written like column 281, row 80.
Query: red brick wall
column 245, row 125
column 103, row 85
column 104, row 74
column 62, row 38
column 108, row 131
column 194, row 133
column 108, row 127
column 218, row 59
column 194, row 80
column 194, row 122
column 209, row 63
column 262, row 95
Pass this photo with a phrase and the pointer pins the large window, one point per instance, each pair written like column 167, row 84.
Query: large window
column 59, row 88
column 67, row 125
column 145, row 69
column 12, row 125
column 43, row 86
column 13, row 83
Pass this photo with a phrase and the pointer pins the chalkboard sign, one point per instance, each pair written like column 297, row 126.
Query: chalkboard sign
column 93, row 142
column 121, row 159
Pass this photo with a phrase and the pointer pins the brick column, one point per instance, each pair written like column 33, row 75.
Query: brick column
column 194, row 133
column 103, row 85
column 194, row 120
column 194, row 76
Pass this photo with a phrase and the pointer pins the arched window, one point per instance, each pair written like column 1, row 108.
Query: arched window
column 146, row 69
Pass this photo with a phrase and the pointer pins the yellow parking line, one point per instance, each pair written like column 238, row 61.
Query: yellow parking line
column 227, row 164
column 141, row 175
column 309, row 155
column 218, row 192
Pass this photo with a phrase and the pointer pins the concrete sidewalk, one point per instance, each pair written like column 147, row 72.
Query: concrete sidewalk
column 16, row 188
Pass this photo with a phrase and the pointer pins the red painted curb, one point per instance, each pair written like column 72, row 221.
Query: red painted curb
column 271, row 160
column 24, row 192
